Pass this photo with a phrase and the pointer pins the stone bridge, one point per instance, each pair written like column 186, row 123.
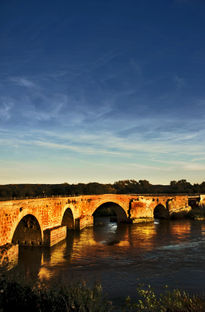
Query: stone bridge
column 45, row 221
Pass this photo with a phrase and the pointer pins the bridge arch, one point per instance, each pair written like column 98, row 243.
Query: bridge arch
column 68, row 219
column 118, row 209
column 27, row 230
column 161, row 212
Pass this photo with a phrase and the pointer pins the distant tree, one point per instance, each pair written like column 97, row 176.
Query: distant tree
column 126, row 187
column 196, row 188
column 202, row 188
column 145, row 186
column 120, row 187
column 181, row 186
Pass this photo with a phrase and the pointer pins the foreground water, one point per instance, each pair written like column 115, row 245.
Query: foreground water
column 122, row 256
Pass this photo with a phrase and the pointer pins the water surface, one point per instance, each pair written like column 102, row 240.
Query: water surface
column 122, row 256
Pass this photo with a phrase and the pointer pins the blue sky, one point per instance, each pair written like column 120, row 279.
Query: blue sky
column 102, row 90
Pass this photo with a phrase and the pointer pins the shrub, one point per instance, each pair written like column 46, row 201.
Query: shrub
column 79, row 298
column 169, row 301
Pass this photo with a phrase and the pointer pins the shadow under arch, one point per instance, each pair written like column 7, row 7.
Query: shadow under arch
column 28, row 232
column 111, row 209
column 161, row 212
column 68, row 219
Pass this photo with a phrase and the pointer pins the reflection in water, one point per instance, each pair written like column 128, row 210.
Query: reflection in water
column 181, row 229
column 203, row 229
column 29, row 262
column 141, row 236
column 110, row 234
column 56, row 256
column 121, row 256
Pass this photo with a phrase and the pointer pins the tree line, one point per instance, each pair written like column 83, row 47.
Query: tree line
column 14, row 191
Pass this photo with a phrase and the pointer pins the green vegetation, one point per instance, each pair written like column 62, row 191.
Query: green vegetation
column 80, row 298
column 12, row 191
column 168, row 301
column 17, row 297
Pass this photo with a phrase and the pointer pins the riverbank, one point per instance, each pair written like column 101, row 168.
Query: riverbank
column 16, row 296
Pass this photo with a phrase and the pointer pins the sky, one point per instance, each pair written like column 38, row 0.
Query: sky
column 102, row 90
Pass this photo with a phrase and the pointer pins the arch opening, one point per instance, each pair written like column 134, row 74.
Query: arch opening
column 112, row 211
column 68, row 219
column 28, row 232
column 160, row 212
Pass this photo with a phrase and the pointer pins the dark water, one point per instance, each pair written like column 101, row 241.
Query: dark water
column 122, row 256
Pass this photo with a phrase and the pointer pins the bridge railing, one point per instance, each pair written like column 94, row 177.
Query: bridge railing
column 34, row 197
column 76, row 195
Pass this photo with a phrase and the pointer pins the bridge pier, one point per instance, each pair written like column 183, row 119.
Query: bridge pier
column 141, row 210
column 83, row 222
column 54, row 235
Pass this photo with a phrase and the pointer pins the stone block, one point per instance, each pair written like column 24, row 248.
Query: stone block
column 55, row 235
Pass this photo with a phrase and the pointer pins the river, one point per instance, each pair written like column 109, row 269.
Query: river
column 122, row 256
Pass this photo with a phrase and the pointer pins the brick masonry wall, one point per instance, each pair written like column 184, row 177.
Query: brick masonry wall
column 49, row 211
column 202, row 201
column 54, row 236
column 9, row 255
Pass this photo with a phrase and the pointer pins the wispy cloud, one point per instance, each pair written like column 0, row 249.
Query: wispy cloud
column 106, row 142
column 37, row 108
column 78, row 149
column 114, row 155
column 23, row 82
column 5, row 108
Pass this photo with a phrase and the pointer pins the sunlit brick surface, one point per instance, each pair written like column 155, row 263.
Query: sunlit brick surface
column 49, row 212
